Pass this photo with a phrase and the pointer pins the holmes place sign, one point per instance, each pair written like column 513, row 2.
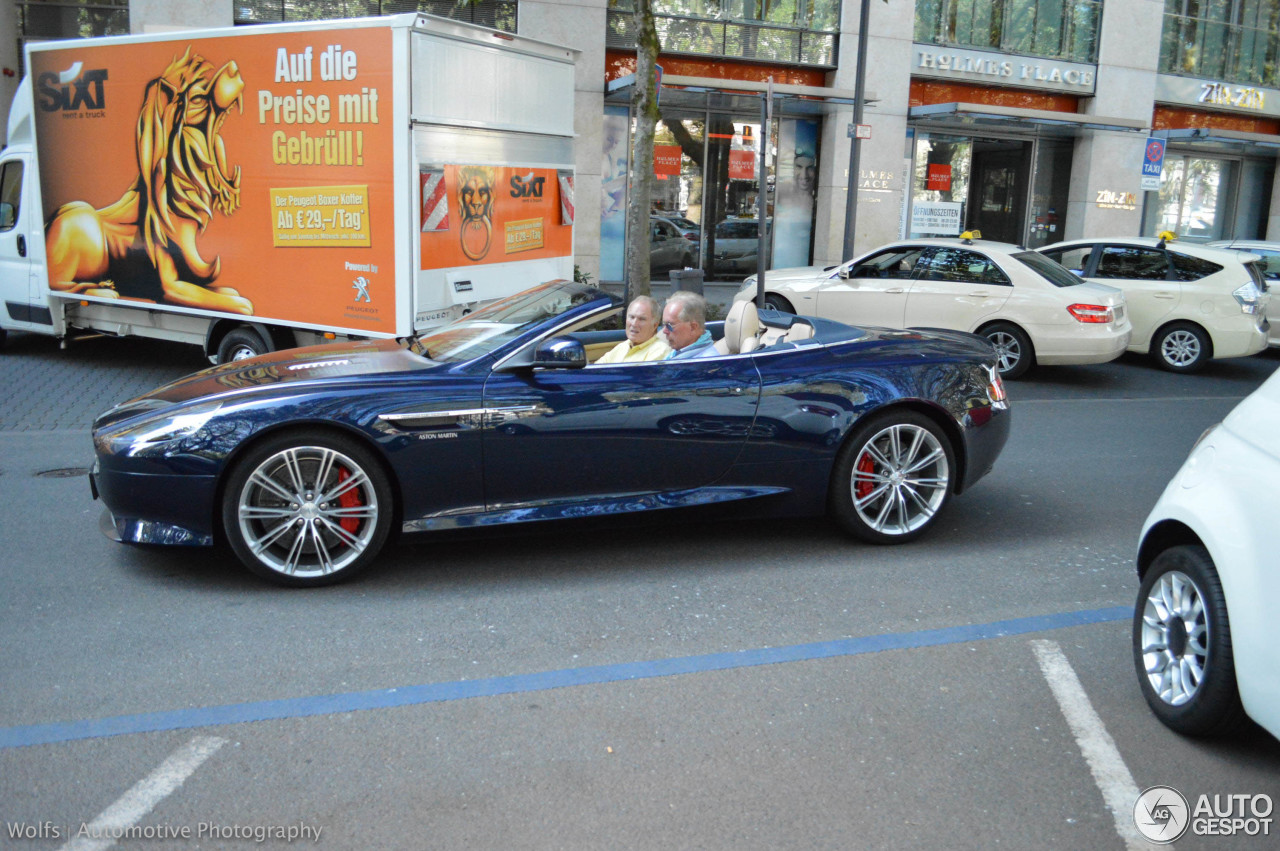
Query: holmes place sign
column 1003, row 69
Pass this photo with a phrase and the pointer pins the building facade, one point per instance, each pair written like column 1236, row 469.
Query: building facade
column 1030, row 120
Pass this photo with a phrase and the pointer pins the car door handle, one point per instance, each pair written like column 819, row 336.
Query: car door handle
column 981, row 294
column 1165, row 295
column 22, row 246
column 896, row 290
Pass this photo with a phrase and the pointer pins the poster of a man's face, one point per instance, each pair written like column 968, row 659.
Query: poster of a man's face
column 797, row 189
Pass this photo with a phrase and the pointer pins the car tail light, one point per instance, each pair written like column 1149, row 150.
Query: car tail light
column 995, row 388
column 691, row 236
column 1250, row 298
column 1091, row 312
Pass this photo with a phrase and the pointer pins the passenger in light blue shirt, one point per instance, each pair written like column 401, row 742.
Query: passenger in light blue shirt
column 684, row 322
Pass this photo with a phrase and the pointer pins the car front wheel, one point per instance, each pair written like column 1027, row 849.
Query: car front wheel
column 778, row 303
column 1013, row 349
column 308, row 508
column 892, row 478
column 1181, row 347
column 1182, row 645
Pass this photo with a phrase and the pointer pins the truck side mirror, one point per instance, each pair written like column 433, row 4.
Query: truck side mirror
column 560, row 353
column 8, row 216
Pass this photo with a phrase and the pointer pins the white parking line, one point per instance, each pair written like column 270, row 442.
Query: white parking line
column 1119, row 791
column 115, row 820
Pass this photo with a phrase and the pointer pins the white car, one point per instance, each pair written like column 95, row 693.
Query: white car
column 1206, row 641
column 1188, row 303
column 1269, row 252
column 1031, row 309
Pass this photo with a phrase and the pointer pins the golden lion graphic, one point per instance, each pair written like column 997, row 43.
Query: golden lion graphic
column 475, row 194
column 143, row 246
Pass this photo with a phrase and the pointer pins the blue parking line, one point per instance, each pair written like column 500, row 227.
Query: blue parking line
column 332, row 704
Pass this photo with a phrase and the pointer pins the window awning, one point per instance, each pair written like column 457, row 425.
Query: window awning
column 1212, row 140
column 713, row 93
column 968, row 117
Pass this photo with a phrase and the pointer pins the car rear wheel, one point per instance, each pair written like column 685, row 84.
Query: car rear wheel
column 892, row 478
column 1182, row 645
column 308, row 508
column 1180, row 347
column 1013, row 349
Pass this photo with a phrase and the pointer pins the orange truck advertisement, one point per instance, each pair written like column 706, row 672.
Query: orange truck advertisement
column 473, row 214
column 248, row 174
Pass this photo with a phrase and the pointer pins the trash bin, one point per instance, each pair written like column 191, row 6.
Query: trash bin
column 686, row 279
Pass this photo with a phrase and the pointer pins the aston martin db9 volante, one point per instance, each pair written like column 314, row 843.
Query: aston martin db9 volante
column 305, row 461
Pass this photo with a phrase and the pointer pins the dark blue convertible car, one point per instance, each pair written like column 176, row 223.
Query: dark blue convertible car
column 306, row 461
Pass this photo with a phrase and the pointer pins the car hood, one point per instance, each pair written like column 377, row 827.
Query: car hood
column 242, row 377
column 797, row 274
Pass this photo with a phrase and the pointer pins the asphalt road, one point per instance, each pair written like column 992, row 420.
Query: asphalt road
column 672, row 684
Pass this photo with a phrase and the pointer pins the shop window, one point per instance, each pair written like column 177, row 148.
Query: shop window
column 1235, row 41
column 1055, row 29
column 43, row 21
column 496, row 14
column 1194, row 198
column 762, row 30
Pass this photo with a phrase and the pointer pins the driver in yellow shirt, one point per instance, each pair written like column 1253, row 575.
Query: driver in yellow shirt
column 643, row 341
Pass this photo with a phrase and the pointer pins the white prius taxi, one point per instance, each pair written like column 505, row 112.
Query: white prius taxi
column 1030, row 308
column 1206, row 640
column 1187, row 304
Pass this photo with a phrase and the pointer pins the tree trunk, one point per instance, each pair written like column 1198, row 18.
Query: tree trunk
column 644, row 104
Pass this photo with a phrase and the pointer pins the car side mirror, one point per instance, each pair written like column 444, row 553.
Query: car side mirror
column 8, row 216
column 560, row 353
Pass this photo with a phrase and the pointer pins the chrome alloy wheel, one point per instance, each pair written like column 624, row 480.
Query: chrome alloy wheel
column 307, row 511
column 1180, row 348
column 900, row 479
column 1008, row 350
column 242, row 352
column 1175, row 638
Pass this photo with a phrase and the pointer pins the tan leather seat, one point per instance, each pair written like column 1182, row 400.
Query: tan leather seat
column 740, row 329
column 798, row 331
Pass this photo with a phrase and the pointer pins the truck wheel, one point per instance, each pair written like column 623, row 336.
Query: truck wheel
column 239, row 344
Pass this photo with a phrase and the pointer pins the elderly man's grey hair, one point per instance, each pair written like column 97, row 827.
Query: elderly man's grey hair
column 654, row 309
column 693, row 307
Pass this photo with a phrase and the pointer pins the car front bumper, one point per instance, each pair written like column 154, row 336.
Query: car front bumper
column 145, row 508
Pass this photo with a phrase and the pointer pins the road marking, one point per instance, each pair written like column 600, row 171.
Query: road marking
column 333, row 704
column 115, row 821
column 1119, row 791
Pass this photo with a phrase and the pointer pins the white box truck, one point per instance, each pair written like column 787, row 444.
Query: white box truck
column 259, row 188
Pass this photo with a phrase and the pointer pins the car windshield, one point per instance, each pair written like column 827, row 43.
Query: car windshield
column 1052, row 271
column 494, row 325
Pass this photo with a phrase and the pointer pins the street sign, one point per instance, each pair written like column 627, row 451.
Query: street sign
column 1152, row 164
column 859, row 131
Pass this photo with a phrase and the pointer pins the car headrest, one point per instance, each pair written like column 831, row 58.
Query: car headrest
column 741, row 325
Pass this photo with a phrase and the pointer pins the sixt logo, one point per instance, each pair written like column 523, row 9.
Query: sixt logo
column 527, row 186
column 73, row 89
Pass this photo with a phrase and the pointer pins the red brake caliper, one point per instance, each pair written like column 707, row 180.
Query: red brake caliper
column 864, row 486
column 349, row 499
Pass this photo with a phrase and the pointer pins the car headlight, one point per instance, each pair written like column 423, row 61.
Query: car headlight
column 748, row 283
column 150, row 432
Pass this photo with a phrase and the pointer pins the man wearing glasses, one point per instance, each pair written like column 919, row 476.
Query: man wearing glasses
column 684, row 322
